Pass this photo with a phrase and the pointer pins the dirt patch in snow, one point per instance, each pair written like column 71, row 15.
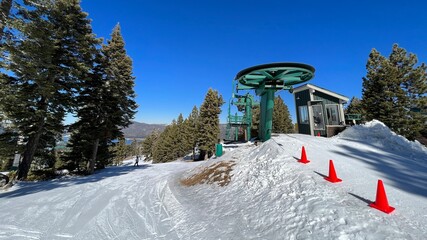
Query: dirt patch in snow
column 218, row 173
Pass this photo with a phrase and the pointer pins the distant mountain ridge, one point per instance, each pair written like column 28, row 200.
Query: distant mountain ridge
column 141, row 130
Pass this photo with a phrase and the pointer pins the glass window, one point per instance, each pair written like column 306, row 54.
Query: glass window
column 303, row 114
column 332, row 111
column 319, row 123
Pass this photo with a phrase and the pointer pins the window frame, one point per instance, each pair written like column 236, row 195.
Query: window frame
column 337, row 113
column 303, row 115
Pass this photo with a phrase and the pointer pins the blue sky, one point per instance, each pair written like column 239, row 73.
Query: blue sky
column 180, row 49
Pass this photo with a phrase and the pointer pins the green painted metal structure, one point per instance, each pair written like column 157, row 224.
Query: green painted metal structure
column 244, row 103
column 357, row 117
column 266, row 79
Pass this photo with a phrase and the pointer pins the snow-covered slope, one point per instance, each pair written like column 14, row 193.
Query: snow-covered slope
column 270, row 196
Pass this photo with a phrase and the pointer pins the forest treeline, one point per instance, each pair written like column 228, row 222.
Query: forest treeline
column 394, row 92
column 52, row 64
column 201, row 131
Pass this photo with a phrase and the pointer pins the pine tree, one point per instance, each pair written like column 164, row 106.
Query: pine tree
column 57, row 40
column 120, row 151
column 209, row 131
column 91, row 116
column 148, row 145
column 181, row 137
column 134, row 148
column 282, row 122
column 165, row 149
column 413, row 84
column 392, row 87
column 172, row 143
column 8, row 146
column 354, row 107
column 107, row 102
column 374, row 85
column 192, row 130
column 79, row 153
column 120, row 82
column 5, row 7
column 119, row 102
column 8, row 137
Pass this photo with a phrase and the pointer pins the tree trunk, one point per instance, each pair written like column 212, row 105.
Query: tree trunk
column 5, row 7
column 91, row 163
column 32, row 143
column 30, row 150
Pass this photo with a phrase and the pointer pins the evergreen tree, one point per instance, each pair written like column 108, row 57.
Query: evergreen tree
column 148, row 145
column 165, row 149
column 209, row 131
column 173, row 143
column 354, row 107
column 79, row 153
column 107, row 102
column 91, row 115
column 48, row 56
column 104, row 155
column 120, row 82
column 134, row 148
column 413, row 82
column 192, row 130
column 120, row 151
column 119, row 103
column 5, row 7
column 181, row 137
column 282, row 122
column 8, row 146
column 392, row 87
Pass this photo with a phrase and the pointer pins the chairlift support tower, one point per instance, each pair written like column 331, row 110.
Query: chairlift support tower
column 266, row 79
column 244, row 103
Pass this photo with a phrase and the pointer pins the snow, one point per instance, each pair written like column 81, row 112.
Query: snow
column 270, row 196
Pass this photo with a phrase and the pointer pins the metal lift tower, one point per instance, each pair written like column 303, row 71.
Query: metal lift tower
column 266, row 79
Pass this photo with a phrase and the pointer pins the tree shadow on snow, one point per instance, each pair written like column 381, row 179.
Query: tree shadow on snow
column 26, row 188
column 400, row 171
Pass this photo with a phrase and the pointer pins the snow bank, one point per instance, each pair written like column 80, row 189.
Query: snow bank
column 378, row 134
column 270, row 195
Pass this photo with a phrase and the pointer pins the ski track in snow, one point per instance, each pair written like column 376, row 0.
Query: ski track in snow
column 129, row 206
column 271, row 196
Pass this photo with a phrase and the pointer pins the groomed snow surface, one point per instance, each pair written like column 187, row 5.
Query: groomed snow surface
column 271, row 195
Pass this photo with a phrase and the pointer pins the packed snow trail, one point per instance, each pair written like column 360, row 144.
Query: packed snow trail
column 117, row 203
column 270, row 196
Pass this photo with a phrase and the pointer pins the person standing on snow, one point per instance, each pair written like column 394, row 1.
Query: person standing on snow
column 136, row 161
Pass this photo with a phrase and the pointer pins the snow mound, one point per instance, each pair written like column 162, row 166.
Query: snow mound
column 261, row 168
column 378, row 134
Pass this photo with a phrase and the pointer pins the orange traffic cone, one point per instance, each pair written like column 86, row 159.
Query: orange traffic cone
column 381, row 202
column 332, row 174
column 303, row 158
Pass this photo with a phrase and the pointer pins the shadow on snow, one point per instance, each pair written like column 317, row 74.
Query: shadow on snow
column 408, row 174
column 26, row 188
